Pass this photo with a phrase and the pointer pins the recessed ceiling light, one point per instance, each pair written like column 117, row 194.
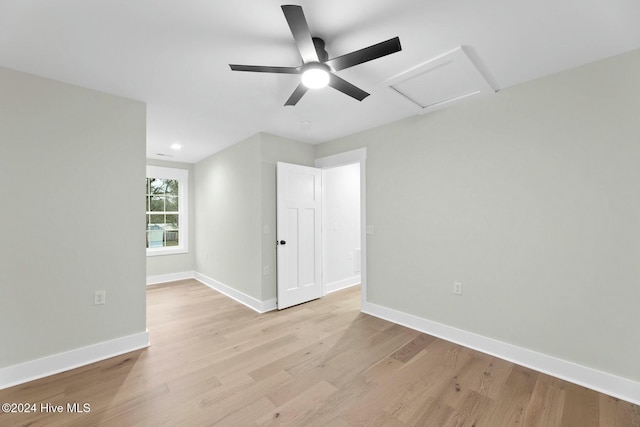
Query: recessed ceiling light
column 176, row 146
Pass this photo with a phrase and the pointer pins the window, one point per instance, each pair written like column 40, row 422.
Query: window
column 166, row 205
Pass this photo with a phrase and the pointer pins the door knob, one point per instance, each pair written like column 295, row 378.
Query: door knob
column 283, row 242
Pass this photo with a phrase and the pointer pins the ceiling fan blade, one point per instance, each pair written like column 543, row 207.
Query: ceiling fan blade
column 296, row 95
column 301, row 34
column 367, row 54
column 347, row 88
column 262, row 69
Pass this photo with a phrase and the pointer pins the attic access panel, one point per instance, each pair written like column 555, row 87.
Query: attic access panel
column 441, row 81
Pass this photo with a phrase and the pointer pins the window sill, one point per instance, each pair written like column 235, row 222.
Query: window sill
column 166, row 251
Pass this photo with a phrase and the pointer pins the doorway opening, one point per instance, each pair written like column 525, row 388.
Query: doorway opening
column 341, row 227
column 344, row 220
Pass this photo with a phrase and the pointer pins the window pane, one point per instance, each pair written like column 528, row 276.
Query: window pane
column 157, row 204
column 171, row 221
column 156, row 222
column 155, row 238
column 171, row 238
column 172, row 204
column 171, row 187
column 156, row 186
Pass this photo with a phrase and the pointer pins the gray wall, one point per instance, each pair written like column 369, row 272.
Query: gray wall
column 234, row 201
column 176, row 263
column 71, row 219
column 531, row 198
column 276, row 149
column 228, row 217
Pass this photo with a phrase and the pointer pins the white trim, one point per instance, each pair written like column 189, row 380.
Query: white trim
column 341, row 159
column 172, row 277
column 341, row 284
column 599, row 381
column 249, row 301
column 54, row 364
column 168, row 250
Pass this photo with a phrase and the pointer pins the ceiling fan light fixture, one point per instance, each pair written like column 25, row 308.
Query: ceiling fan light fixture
column 315, row 75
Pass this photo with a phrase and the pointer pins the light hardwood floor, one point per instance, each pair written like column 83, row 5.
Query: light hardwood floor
column 213, row 361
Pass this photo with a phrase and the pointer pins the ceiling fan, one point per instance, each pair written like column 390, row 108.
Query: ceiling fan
column 317, row 69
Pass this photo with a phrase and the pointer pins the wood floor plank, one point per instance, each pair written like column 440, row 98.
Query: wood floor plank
column 470, row 409
column 493, row 377
column 581, row 407
column 413, row 347
column 434, row 412
column 432, row 376
column 546, row 406
column 296, row 408
column 213, row 361
column 219, row 405
column 338, row 404
column 616, row 412
column 248, row 415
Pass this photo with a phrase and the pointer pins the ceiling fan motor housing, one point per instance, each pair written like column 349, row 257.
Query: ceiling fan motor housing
column 323, row 56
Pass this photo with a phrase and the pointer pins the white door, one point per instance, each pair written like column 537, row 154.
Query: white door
column 299, row 203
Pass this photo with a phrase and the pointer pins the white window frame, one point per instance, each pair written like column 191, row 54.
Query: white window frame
column 182, row 176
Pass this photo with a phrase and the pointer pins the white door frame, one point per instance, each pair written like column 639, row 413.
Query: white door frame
column 347, row 158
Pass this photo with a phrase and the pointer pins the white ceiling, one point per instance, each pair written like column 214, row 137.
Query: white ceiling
column 174, row 55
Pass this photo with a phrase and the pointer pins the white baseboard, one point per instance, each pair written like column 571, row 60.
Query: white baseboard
column 54, row 364
column 249, row 301
column 602, row 382
column 163, row 278
column 341, row 284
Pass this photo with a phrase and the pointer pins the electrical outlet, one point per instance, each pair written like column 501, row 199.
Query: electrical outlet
column 100, row 297
column 265, row 270
column 457, row 288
